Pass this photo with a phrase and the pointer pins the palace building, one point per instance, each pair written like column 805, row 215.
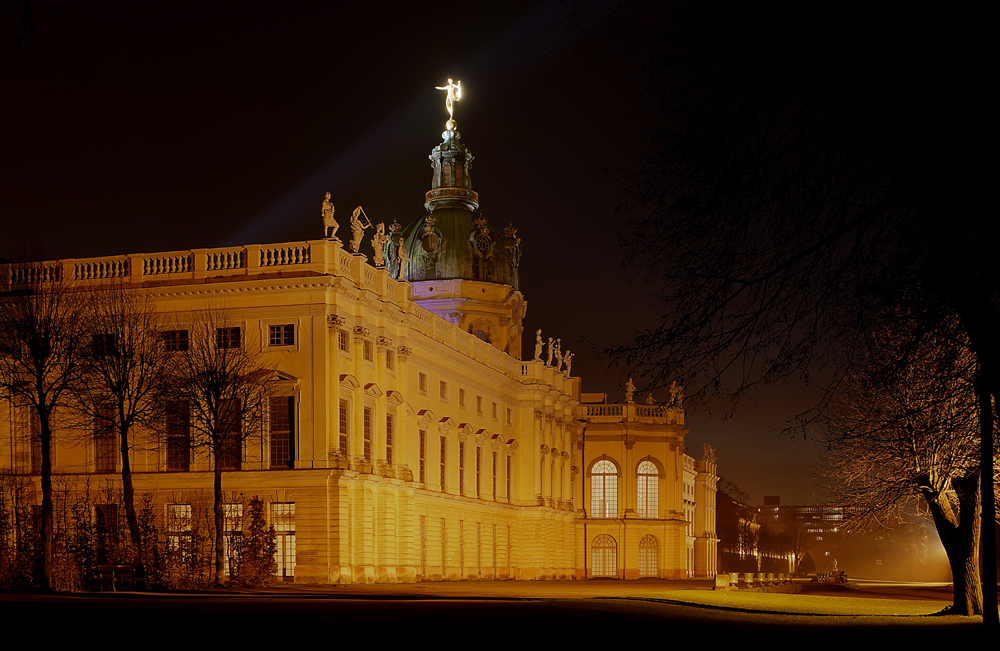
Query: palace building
column 406, row 439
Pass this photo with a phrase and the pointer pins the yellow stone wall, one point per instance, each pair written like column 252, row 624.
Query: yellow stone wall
column 361, row 520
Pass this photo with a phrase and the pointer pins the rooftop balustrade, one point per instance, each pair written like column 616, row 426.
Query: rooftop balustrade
column 612, row 413
column 311, row 258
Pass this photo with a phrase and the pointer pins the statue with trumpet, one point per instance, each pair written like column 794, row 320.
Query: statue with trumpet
column 358, row 228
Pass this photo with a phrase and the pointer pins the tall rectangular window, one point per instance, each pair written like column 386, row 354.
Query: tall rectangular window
column 345, row 409
column 232, row 540
column 423, row 456
column 104, row 344
column 461, row 398
column 283, row 521
column 178, row 437
column 479, row 405
column 28, row 450
column 230, row 427
column 343, row 340
column 105, row 440
column 390, row 360
column 422, row 382
column 368, row 350
column 106, row 521
column 479, row 470
column 179, row 528
column 228, row 338
column 444, row 451
column 368, row 433
column 388, row 439
column 509, row 462
column 281, row 335
column 444, row 390
column 282, row 411
column 461, row 467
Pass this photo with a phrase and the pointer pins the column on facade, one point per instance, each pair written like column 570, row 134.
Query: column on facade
column 537, row 446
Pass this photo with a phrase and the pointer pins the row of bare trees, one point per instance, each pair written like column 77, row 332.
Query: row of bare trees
column 104, row 357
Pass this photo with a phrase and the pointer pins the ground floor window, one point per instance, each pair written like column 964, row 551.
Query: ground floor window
column 283, row 521
column 649, row 549
column 179, row 528
column 233, row 538
column 604, row 556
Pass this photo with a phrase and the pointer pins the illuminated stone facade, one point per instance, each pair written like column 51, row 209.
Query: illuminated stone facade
column 415, row 444
column 646, row 508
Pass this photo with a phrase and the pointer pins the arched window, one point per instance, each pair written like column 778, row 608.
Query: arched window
column 649, row 548
column 604, row 490
column 604, row 556
column 648, row 504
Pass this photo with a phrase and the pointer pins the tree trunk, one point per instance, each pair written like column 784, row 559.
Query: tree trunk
column 220, row 534
column 45, row 437
column 959, row 535
column 128, row 494
column 987, row 497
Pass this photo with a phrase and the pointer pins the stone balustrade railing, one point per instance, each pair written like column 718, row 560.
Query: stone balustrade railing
column 316, row 257
column 595, row 413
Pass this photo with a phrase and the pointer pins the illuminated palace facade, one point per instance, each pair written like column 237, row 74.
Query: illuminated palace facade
column 407, row 440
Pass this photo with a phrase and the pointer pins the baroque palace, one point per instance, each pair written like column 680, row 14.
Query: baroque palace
column 406, row 439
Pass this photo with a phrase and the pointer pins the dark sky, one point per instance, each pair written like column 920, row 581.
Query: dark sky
column 141, row 127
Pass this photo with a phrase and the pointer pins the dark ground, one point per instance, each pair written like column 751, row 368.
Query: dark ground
column 507, row 614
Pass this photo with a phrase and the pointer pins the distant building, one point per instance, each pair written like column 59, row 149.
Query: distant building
column 406, row 440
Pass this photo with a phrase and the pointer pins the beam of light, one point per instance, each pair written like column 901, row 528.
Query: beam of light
column 533, row 37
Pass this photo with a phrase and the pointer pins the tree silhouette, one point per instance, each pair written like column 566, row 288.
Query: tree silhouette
column 41, row 349
column 814, row 169
column 126, row 376
column 221, row 389
column 901, row 442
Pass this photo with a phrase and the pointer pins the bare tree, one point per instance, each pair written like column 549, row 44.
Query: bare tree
column 901, row 444
column 222, row 387
column 41, row 348
column 810, row 173
column 126, row 379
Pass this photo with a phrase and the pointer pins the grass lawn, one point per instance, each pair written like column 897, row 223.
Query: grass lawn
column 800, row 604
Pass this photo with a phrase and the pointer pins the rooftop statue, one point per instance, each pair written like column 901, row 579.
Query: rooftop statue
column 357, row 229
column 454, row 89
column 402, row 257
column 378, row 244
column 548, row 361
column 330, row 224
column 538, row 345
column 676, row 395
column 629, row 392
column 568, row 358
column 559, row 357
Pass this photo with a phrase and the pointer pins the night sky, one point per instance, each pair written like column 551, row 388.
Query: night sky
column 141, row 127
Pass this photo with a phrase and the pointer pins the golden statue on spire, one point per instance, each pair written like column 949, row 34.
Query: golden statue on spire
column 454, row 89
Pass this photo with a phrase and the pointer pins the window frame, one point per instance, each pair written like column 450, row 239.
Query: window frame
column 231, row 337
column 604, row 475
column 281, row 335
